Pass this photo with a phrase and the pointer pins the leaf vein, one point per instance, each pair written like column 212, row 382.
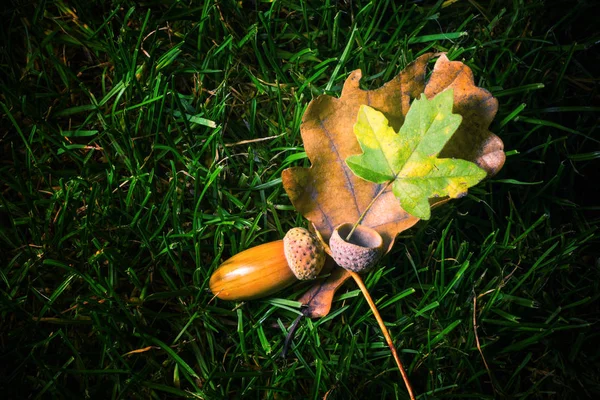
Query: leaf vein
column 349, row 185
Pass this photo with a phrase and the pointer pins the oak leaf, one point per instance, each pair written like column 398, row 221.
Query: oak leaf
column 329, row 194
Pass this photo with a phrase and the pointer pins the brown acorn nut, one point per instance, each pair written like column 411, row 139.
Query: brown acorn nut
column 270, row 267
column 361, row 252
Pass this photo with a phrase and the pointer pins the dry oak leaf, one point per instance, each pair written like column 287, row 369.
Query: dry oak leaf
column 329, row 194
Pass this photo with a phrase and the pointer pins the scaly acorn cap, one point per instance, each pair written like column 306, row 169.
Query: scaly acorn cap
column 361, row 252
column 304, row 253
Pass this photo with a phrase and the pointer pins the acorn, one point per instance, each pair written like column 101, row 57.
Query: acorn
column 265, row 269
column 361, row 252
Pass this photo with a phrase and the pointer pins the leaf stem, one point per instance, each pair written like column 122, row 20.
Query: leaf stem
column 386, row 333
column 364, row 213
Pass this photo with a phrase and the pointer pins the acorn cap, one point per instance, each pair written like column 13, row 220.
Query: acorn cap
column 361, row 252
column 304, row 253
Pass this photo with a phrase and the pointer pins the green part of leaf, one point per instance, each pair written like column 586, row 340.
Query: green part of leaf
column 409, row 159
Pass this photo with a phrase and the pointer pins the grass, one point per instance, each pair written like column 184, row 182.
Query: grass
column 143, row 144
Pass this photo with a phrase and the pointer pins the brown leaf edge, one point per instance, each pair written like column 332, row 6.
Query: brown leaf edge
column 472, row 141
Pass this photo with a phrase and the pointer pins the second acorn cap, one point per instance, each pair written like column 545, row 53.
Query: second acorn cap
column 361, row 252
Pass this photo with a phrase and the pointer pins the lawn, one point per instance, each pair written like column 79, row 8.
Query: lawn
column 143, row 143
